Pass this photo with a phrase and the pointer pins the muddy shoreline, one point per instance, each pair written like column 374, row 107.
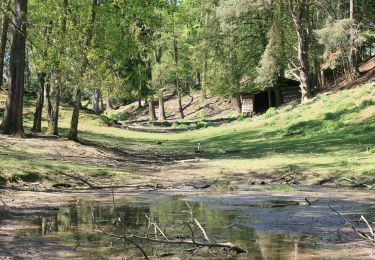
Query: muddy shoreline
column 316, row 219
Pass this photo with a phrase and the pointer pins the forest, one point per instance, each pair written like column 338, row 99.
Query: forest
column 187, row 129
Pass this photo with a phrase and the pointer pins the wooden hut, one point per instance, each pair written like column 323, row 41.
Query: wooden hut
column 284, row 91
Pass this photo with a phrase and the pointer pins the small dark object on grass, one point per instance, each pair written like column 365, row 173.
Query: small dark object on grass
column 199, row 149
column 158, row 142
column 62, row 185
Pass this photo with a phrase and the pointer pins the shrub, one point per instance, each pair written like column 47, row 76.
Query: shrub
column 367, row 103
column 290, row 107
column 271, row 112
column 26, row 176
column 346, row 105
column 3, row 180
column 120, row 116
column 240, row 118
column 175, row 125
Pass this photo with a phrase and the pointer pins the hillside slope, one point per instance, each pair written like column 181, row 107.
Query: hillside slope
column 334, row 135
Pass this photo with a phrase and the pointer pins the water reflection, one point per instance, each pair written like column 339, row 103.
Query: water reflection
column 74, row 225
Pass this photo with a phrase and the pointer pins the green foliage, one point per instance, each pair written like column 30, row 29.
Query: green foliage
column 26, row 176
column 3, row 180
column 119, row 116
column 271, row 112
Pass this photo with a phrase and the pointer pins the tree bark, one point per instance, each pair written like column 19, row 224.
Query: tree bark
column 238, row 102
column 54, row 107
column 162, row 117
column 47, row 96
column 353, row 59
column 73, row 132
column 180, row 107
column 96, row 101
column 139, row 103
column 13, row 121
column 37, row 124
column 108, row 104
column 205, row 68
column 151, row 109
column 299, row 12
column 4, row 38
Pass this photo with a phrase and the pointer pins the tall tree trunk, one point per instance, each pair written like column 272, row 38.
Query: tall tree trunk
column 47, row 96
column 238, row 103
column 108, row 104
column 139, row 103
column 322, row 78
column 205, row 68
column 180, row 107
column 73, row 131
column 161, row 106
column 151, row 109
column 177, row 80
column 300, row 14
column 37, row 124
column 54, row 107
column 353, row 59
column 96, row 101
column 13, row 121
column 4, row 38
column 56, row 84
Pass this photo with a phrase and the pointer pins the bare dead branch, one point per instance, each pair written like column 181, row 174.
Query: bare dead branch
column 347, row 222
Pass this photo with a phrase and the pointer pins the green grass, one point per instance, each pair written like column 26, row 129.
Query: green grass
column 281, row 188
column 335, row 134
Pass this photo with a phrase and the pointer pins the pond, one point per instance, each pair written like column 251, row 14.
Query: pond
column 74, row 225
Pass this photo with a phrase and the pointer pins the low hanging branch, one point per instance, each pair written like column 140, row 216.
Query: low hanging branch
column 166, row 239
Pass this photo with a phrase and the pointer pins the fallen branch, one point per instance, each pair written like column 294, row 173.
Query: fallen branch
column 95, row 187
column 324, row 181
column 360, row 233
column 198, row 243
column 357, row 184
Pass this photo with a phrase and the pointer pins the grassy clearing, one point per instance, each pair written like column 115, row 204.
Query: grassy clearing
column 333, row 135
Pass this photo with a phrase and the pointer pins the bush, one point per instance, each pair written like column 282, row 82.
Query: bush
column 290, row 107
column 367, row 103
column 272, row 111
column 120, row 116
column 26, row 176
column 175, row 125
column 203, row 124
column 346, row 105
column 240, row 118
column 3, row 180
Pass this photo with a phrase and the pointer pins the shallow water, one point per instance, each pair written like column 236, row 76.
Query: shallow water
column 74, row 225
